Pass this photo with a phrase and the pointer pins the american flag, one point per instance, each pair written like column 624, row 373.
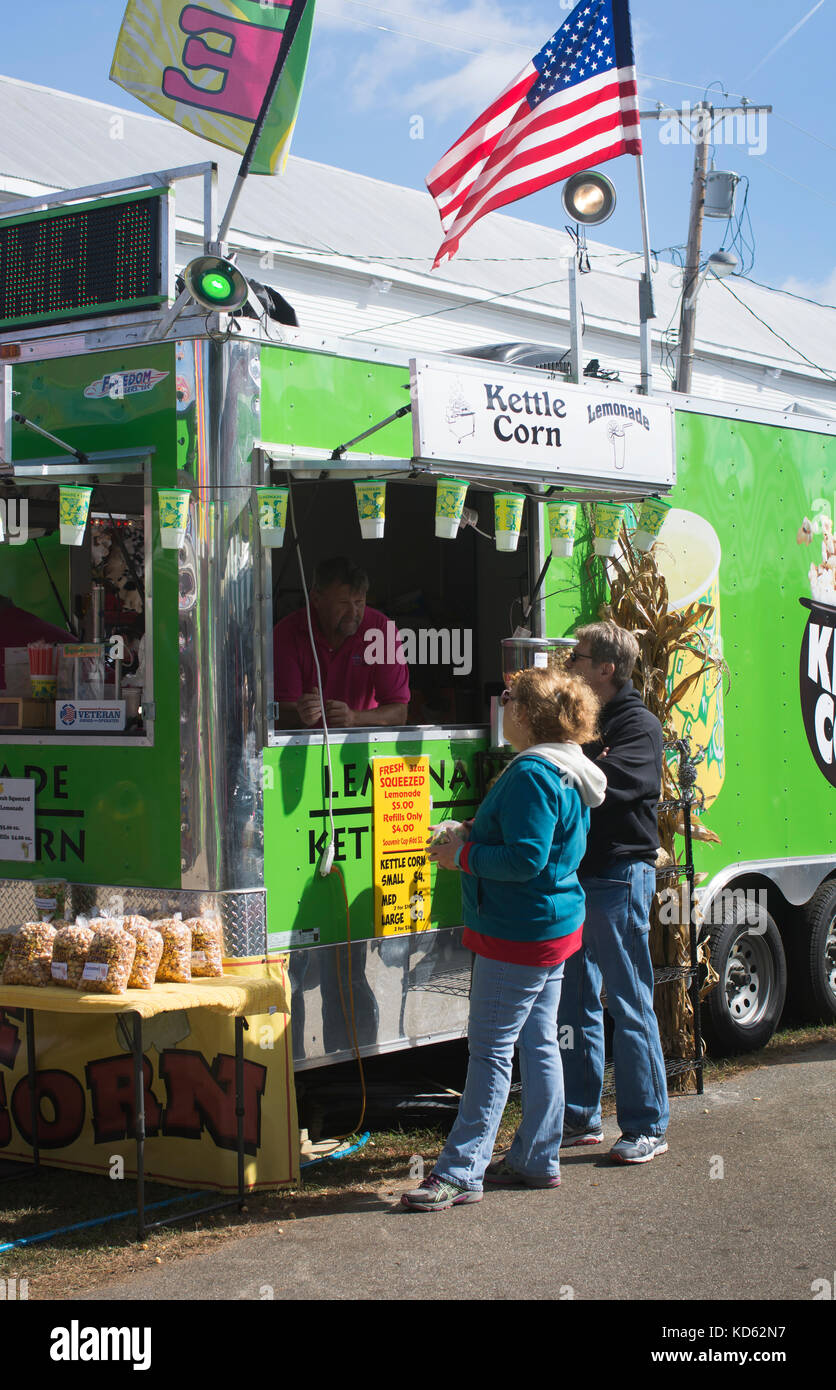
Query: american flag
column 573, row 105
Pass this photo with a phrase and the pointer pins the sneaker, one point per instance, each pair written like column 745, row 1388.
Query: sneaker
column 436, row 1194
column 501, row 1174
column 638, row 1148
column 580, row 1138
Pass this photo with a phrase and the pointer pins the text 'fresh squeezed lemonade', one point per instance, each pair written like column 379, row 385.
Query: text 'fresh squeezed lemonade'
column 688, row 554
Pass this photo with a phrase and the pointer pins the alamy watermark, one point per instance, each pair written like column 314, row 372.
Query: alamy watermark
column 746, row 906
column 426, row 646
column 14, row 520
column 697, row 124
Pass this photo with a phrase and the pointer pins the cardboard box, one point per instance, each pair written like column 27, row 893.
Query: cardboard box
column 16, row 712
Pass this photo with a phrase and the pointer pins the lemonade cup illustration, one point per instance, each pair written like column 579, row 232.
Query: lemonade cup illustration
column 272, row 514
column 73, row 509
column 371, row 507
column 608, row 520
column 562, row 518
column 508, row 512
column 449, row 503
column 688, row 554
column 651, row 519
column 174, row 516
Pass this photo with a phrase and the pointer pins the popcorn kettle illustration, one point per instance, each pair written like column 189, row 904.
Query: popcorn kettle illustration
column 460, row 415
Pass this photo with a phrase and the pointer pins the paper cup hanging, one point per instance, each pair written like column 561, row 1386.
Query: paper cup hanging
column 272, row 514
column 508, row 513
column 73, row 510
column 371, row 507
column 608, row 522
column 174, row 516
column 651, row 519
column 562, row 518
column 449, row 504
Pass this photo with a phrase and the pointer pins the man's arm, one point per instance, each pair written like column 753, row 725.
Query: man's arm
column 339, row 716
column 300, row 714
column 633, row 767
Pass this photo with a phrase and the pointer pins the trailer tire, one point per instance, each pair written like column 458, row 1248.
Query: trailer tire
column 811, row 957
column 742, row 1011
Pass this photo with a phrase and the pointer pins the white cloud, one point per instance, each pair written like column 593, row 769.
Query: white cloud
column 427, row 57
column 822, row 291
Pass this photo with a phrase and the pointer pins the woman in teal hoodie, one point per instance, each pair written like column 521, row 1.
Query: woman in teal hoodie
column 523, row 910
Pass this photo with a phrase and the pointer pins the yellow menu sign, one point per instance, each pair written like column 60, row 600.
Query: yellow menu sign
column 401, row 810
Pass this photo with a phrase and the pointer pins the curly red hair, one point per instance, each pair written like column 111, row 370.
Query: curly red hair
column 559, row 707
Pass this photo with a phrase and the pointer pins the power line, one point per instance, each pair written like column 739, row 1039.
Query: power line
column 802, row 131
column 776, row 334
column 815, row 191
column 466, row 304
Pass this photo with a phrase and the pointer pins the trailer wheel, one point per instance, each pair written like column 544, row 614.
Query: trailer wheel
column 742, row 1011
column 811, row 954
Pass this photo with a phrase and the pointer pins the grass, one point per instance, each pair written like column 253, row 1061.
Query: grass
column 68, row 1264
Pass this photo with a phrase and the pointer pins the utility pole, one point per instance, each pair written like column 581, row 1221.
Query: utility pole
column 707, row 117
column 688, row 312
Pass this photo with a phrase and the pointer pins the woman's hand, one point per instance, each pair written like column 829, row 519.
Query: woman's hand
column 443, row 852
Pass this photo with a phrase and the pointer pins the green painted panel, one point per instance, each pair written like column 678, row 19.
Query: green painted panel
column 318, row 401
column 299, row 900
column 52, row 395
column 103, row 814
column 754, row 483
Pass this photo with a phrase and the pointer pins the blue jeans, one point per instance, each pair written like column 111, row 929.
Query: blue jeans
column 509, row 1004
column 615, row 947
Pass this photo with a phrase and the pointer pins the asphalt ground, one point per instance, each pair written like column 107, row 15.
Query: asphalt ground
column 740, row 1208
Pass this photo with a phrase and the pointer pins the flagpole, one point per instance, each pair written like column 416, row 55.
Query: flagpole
column 294, row 19
column 647, row 310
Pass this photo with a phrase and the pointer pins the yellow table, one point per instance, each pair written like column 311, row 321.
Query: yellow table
column 235, row 996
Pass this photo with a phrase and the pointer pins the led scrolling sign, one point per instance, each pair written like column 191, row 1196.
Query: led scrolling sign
column 85, row 259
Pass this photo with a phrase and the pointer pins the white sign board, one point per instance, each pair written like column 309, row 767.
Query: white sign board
column 528, row 422
column 17, row 819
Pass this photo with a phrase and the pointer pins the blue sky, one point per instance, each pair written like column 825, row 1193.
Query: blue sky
column 392, row 85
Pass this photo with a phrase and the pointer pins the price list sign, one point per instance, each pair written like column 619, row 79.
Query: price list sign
column 17, row 819
column 102, row 257
column 401, row 809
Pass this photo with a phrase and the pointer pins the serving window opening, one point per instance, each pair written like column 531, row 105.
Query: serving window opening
column 445, row 605
column 75, row 653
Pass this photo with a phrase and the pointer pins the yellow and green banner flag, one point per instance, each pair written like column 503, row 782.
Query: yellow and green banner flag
column 208, row 67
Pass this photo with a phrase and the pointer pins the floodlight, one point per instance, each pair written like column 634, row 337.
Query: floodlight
column 589, row 198
column 215, row 283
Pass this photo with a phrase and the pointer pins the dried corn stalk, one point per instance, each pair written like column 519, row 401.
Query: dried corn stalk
column 639, row 602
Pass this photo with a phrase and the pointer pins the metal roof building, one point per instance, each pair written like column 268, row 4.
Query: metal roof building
column 353, row 254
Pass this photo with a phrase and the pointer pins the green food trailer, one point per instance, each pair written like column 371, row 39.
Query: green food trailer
column 196, row 798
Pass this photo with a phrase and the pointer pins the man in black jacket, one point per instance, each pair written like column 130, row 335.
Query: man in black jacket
column 618, row 878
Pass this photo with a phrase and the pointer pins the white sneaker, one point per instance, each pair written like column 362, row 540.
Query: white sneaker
column 638, row 1148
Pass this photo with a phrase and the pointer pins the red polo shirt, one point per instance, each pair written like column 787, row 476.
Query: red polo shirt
column 346, row 673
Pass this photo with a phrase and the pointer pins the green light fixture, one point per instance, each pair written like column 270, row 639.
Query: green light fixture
column 215, row 283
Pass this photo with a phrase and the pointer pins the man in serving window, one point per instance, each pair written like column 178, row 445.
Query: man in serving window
column 364, row 676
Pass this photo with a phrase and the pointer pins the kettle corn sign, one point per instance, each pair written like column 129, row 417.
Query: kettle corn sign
column 401, row 801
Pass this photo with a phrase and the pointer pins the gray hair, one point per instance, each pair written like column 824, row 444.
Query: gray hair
column 609, row 642
column 339, row 570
